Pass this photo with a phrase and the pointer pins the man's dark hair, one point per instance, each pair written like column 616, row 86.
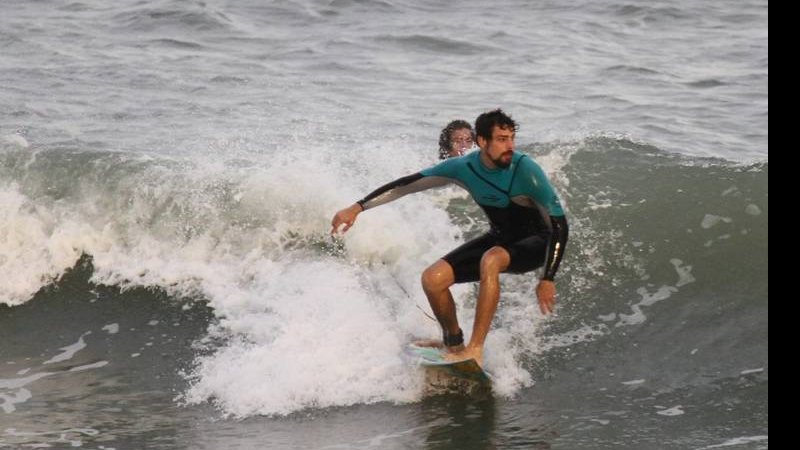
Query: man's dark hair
column 486, row 122
column 446, row 135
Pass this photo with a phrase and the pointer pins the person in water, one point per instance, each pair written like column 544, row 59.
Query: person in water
column 528, row 229
column 455, row 139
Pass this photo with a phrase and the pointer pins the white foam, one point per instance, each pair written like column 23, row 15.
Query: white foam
column 711, row 220
column 21, row 394
column 95, row 365
column 58, row 438
column 674, row 411
column 648, row 299
column 69, row 351
column 739, row 441
column 586, row 333
column 503, row 360
column 17, row 140
column 684, row 272
column 752, row 209
column 31, row 245
column 302, row 328
column 15, row 383
column 7, row 401
column 311, row 336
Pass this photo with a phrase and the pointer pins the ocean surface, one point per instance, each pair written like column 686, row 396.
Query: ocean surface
column 169, row 170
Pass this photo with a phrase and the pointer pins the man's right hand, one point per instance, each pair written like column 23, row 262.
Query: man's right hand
column 345, row 217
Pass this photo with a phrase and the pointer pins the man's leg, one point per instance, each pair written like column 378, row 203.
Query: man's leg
column 436, row 282
column 493, row 262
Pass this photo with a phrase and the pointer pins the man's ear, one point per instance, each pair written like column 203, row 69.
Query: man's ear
column 482, row 142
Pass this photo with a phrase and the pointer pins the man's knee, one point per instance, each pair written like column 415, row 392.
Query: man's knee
column 494, row 261
column 438, row 276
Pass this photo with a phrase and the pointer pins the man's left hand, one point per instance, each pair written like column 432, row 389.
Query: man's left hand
column 546, row 293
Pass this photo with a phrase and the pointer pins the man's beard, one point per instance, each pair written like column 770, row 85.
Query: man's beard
column 499, row 162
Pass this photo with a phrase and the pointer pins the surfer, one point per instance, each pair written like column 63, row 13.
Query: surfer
column 528, row 229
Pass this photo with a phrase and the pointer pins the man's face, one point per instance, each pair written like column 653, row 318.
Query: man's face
column 500, row 148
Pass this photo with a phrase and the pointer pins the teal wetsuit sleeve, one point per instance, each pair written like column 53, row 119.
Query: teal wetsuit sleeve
column 540, row 188
column 447, row 168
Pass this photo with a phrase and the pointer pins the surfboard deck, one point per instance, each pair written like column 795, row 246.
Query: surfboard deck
column 432, row 357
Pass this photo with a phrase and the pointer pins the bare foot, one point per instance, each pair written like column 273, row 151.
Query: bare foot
column 465, row 354
column 428, row 343
column 436, row 343
column 454, row 349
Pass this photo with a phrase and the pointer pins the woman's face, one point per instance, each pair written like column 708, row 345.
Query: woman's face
column 460, row 141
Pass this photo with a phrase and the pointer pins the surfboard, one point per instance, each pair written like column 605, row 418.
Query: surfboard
column 433, row 358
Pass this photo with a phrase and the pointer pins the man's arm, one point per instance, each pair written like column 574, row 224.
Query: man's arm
column 546, row 290
column 385, row 194
column 400, row 187
column 555, row 248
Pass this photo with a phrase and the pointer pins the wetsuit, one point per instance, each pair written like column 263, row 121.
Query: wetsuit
column 524, row 211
